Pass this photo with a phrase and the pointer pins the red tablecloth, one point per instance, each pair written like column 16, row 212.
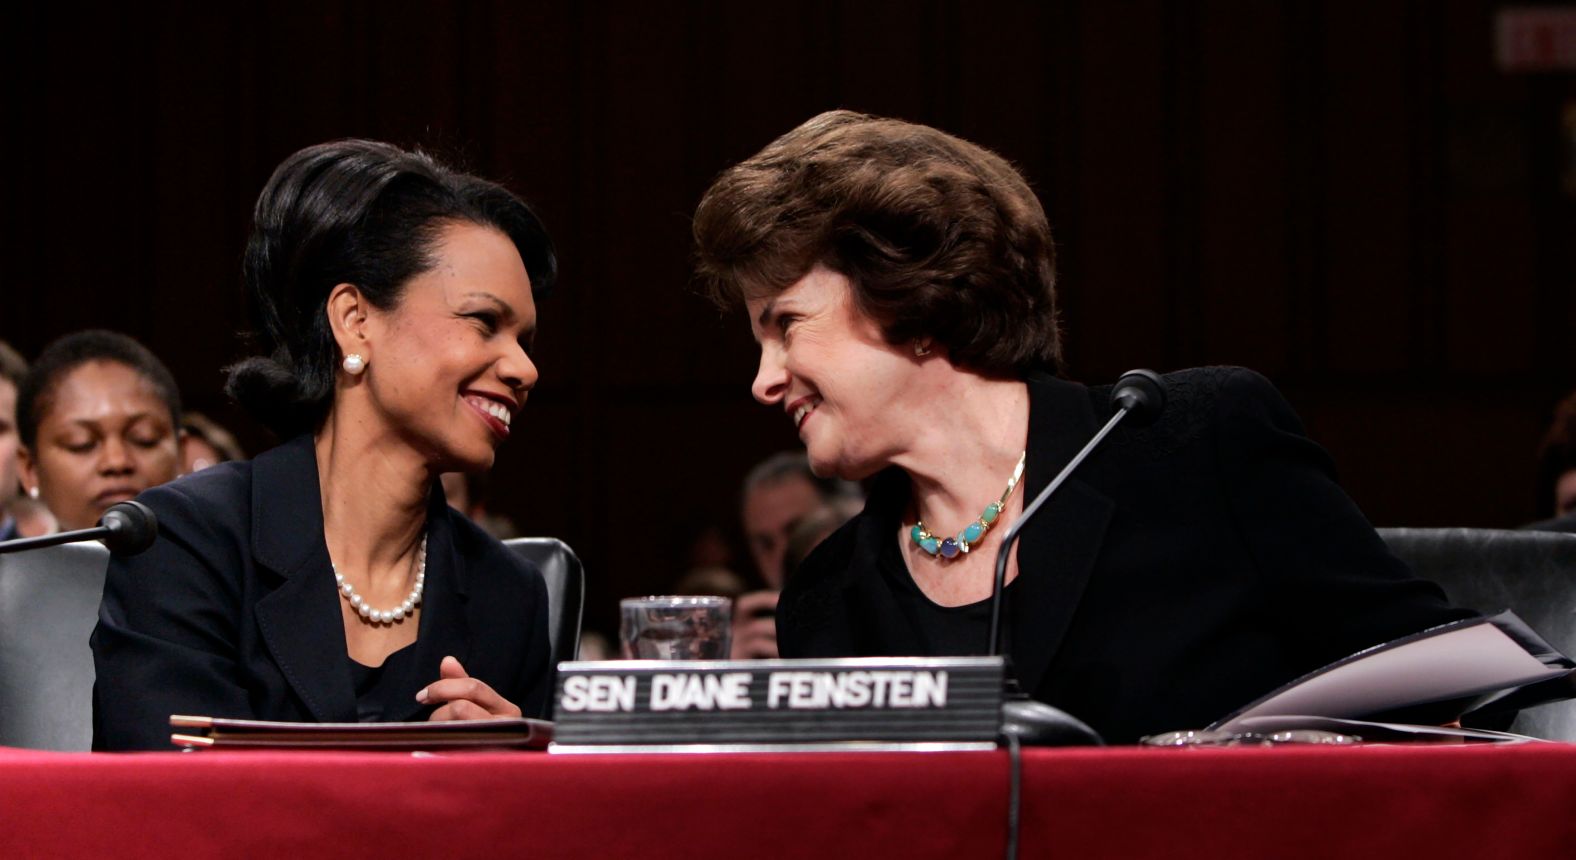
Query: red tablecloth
column 1389, row 802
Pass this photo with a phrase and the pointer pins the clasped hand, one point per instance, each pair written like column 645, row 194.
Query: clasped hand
column 463, row 697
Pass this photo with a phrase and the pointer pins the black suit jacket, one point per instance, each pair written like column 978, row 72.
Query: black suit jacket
column 234, row 612
column 1187, row 569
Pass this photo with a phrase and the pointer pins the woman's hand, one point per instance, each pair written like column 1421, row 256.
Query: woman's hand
column 464, row 697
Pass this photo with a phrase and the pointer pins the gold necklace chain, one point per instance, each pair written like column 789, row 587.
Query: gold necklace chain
column 950, row 548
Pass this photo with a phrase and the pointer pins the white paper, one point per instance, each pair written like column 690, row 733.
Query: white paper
column 1466, row 661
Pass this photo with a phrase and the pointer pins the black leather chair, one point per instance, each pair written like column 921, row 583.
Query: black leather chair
column 49, row 600
column 566, row 591
column 1530, row 573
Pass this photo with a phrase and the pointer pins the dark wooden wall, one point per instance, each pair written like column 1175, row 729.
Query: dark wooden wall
column 1346, row 196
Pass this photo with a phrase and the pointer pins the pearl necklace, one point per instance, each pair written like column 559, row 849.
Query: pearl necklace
column 387, row 616
column 950, row 548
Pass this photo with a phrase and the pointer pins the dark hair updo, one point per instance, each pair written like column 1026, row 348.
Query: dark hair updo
column 358, row 212
column 36, row 395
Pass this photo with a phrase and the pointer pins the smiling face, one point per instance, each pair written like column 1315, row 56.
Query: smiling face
column 104, row 437
column 449, row 367
column 828, row 367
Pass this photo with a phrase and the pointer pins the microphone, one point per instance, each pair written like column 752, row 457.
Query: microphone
column 1141, row 394
column 127, row 528
column 1138, row 396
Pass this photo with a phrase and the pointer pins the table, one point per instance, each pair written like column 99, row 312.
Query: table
column 1390, row 802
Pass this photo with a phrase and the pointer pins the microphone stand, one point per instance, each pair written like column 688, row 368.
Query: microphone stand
column 1011, row 535
column 1141, row 394
column 21, row 544
column 127, row 528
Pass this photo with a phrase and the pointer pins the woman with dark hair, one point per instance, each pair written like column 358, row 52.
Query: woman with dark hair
column 98, row 417
column 900, row 282
column 327, row 580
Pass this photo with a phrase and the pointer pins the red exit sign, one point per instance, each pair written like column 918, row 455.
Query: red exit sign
column 1535, row 39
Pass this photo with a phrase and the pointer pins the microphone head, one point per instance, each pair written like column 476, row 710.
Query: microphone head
column 132, row 528
column 1142, row 393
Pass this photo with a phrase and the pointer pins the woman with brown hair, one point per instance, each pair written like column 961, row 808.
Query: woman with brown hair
column 901, row 284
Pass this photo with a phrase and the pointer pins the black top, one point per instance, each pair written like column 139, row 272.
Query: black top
column 947, row 631
column 374, row 697
column 234, row 611
column 1188, row 567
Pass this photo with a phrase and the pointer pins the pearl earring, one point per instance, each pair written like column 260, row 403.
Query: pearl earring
column 920, row 350
column 33, row 493
column 354, row 364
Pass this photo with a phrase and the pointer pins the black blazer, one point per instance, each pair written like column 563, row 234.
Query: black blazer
column 234, row 613
column 1186, row 569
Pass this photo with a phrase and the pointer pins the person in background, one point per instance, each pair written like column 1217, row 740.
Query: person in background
column 32, row 518
column 709, row 563
column 98, row 416
column 815, row 527
column 204, row 443
column 713, row 580
column 12, row 369
column 706, row 544
column 778, row 493
column 1557, row 472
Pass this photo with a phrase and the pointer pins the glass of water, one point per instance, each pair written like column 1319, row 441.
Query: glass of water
column 676, row 628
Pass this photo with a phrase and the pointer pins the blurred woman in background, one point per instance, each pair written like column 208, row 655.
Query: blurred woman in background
column 98, row 416
column 205, row 442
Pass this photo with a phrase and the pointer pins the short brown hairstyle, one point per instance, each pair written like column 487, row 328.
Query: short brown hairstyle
column 941, row 239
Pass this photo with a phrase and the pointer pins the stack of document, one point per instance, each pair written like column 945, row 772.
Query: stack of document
column 1478, row 666
column 503, row 733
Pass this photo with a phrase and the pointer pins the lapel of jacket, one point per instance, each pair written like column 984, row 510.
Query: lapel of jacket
column 1057, row 552
column 445, row 624
column 299, row 619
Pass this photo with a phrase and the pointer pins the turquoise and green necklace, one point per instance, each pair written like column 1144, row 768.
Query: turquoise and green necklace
column 949, row 548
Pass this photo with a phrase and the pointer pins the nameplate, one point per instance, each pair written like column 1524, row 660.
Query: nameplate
column 752, row 702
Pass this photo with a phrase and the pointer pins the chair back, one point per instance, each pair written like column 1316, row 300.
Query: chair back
column 566, row 591
column 1530, row 573
column 49, row 602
